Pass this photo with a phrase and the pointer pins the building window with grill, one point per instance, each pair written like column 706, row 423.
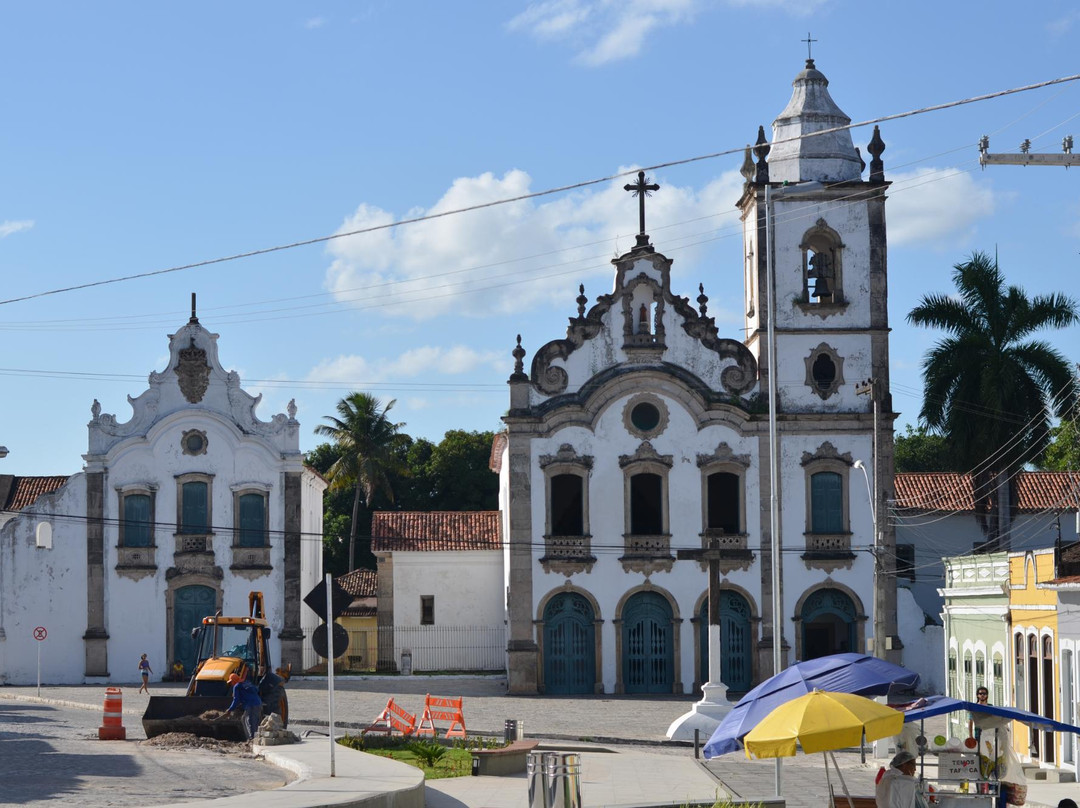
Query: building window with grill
column 905, row 561
column 953, row 691
column 998, row 670
column 645, row 510
column 427, row 610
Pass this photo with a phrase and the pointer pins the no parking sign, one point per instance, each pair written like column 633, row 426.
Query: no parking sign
column 40, row 633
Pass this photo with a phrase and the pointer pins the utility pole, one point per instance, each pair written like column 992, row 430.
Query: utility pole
column 1026, row 158
column 886, row 641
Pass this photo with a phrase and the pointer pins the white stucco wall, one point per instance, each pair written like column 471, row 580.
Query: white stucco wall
column 923, row 644
column 44, row 587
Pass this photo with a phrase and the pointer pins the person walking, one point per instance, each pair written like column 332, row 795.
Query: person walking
column 145, row 671
column 246, row 695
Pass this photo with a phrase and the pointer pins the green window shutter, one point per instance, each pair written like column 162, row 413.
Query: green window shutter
column 137, row 528
column 194, row 512
column 826, row 503
column 252, row 520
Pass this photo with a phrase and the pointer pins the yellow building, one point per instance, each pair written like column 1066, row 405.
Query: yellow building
column 359, row 620
column 1033, row 615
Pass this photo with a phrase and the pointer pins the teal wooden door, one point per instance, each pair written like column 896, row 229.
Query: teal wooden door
column 648, row 652
column 736, row 641
column 190, row 605
column 569, row 645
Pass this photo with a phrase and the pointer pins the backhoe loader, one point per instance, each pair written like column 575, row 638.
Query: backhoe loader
column 223, row 646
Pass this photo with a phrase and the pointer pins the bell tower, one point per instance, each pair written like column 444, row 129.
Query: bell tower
column 811, row 217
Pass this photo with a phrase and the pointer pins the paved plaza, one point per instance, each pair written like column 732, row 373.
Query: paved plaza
column 626, row 757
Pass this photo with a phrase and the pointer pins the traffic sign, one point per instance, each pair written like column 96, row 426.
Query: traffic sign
column 40, row 633
column 341, row 640
column 316, row 599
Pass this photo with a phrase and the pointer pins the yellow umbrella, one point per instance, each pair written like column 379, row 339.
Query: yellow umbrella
column 821, row 721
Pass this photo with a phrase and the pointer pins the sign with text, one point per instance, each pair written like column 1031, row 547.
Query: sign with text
column 958, row 766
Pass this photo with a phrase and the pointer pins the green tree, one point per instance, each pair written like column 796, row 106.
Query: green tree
column 366, row 440
column 987, row 386
column 460, row 474
column 1063, row 453
column 920, row 450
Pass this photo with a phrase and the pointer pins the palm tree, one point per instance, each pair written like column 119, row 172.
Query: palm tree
column 366, row 438
column 989, row 388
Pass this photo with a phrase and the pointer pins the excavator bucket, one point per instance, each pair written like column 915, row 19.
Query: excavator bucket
column 186, row 714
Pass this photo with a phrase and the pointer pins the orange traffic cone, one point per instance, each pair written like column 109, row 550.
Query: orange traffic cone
column 112, row 723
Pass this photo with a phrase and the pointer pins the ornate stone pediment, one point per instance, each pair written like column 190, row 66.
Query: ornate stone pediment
column 645, row 453
column 566, row 455
column 826, row 452
column 723, row 454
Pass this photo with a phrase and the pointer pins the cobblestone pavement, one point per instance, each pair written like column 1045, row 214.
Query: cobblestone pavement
column 640, row 723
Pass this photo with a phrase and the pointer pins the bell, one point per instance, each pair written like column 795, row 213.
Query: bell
column 821, row 288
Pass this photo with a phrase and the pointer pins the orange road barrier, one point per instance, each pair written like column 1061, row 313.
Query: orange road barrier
column 393, row 718
column 112, row 722
column 440, row 708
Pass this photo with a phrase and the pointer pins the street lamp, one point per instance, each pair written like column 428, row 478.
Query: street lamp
column 879, row 641
column 774, row 440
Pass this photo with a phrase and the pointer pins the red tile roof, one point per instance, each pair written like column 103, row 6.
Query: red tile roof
column 359, row 583
column 26, row 490
column 435, row 530
column 948, row 491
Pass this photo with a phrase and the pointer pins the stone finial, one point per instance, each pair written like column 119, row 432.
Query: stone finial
column 702, row 299
column 581, row 301
column 95, row 409
column 291, row 408
column 876, row 147
column 747, row 170
column 761, row 151
column 519, row 366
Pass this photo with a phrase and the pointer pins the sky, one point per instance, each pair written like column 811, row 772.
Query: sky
column 141, row 137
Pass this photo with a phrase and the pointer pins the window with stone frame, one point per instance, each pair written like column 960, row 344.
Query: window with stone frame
column 194, row 508
column 828, row 531
column 905, row 561
column 427, row 610
column 645, row 510
column 251, row 519
column 567, row 500
column 724, row 502
column 137, row 518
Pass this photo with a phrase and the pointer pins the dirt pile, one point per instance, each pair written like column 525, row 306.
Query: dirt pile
column 184, row 740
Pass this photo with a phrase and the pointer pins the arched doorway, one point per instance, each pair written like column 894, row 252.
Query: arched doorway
column 648, row 652
column 828, row 624
column 569, row 645
column 735, row 640
column 190, row 605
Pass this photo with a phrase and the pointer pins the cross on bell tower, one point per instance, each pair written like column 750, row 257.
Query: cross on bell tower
column 641, row 189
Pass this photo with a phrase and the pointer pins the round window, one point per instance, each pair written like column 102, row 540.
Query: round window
column 645, row 416
column 194, row 443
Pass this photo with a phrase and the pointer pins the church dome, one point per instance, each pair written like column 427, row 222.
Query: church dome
column 824, row 158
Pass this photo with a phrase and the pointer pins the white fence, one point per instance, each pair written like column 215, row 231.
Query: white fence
column 427, row 648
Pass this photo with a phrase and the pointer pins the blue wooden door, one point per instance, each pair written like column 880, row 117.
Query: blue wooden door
column 190, row 605
column 569, row 645
column 648, row 652
column 736, row 641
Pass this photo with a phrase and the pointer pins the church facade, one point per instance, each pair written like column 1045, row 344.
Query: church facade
column 180, row 511
column 640, row 445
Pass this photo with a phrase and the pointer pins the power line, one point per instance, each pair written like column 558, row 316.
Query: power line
column 538, row 194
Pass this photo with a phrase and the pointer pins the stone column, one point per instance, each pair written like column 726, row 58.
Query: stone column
column 384, row 619
column 96, row 638
column 292, row 635
column 521, row 648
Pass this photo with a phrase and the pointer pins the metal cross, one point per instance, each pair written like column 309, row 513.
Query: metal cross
column 641, row 189
column 808, row 41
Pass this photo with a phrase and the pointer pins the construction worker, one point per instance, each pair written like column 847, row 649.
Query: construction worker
column 245, row 695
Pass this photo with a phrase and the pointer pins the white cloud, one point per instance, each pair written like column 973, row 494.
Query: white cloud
column 797, row 8
column 1063, row 25
column 508, row 257
column 602, row 31
column 10, row 227
column 427, row 360
column 936, row 206
column 314, row 22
